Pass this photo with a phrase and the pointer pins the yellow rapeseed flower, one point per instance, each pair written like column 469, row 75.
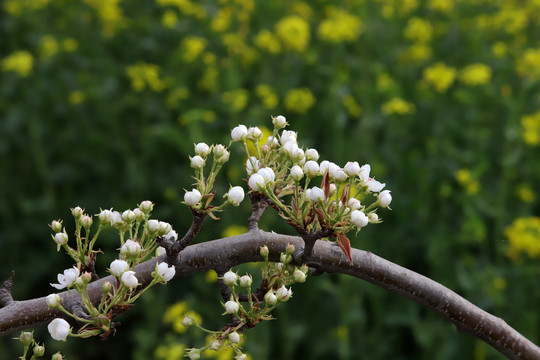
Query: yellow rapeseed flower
column 524, row 236
column 176, row 96
column 48, row 46
column 169, row 19
column 525, row 193
column 339, row 26
column 175, row 351
column 475, row 74
column 418, row 30
column 236, row 100
column 76, row 97
column 187, row 7
column 267, row 95
column 529, row 64
column 20, row 62
column 70, row 44
column 267, row 41
column 466, row 180
column 530, row 125
column 299, row 100
column 443, row 6
column 110, row 13
column 192, row 47
column 398, row 106
column 175, row 314
column 440, row 76
column 418, row 53
column 144, row 75
column 221, row 20
column 294, row 33
column 353, row 108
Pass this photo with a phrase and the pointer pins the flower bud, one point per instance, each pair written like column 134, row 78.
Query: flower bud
column 252, row 165
column 164, row 228
column 373, row 217
column 57, row 356
column 241, row 357
column 352, row 168
column 60, row 238
column 56, row 226
column 129, row 279
column 106, row 287
column 234, row 337
column 354, row 204
column 315, row 194
column 236, row 195
column 224, row 158
column 59, row 329
column 215, row 345
column 86, row 221
column 229, row 278
column 312, row 154
column 384, row 198
column 160, row 251
column 77, row 212
column 139, row 215
column 245, row 281
column 289, row 249
column 288, row 136
column 197, row 162
column 231, row 307
column 268, row 174
column 105, row 216
column 146, row 206
column 130, row 249
column 264, row 251
column 26, row 337
column 118, row 267
column 116, row 219
column 193, row 197
column 239, row 133
column 284, row 258
column 257, row 182
column 194, row 354
column 128, row 216
column 340, row 175
column 270, row 298
column 279, row 122
column 297, row 173
column 165, row 272
column 188, row 321
column 202, row 149
column 254, row 134
column 311, row 168
column 153, row 225
column 272, row 142
column 359, row 218
column 53, row 300
column 283, row 294
column 299, row 276
column 297, row 154
column 39, row 350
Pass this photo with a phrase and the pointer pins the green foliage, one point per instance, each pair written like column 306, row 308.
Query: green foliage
column 101, row 102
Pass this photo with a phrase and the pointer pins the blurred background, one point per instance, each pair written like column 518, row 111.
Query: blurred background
column 102, row 100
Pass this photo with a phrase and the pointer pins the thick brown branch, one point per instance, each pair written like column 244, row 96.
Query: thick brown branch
column 326, row 257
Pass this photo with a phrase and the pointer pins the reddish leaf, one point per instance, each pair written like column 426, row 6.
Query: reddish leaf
column 345, row 245
column 345, row 194
column 325, row 184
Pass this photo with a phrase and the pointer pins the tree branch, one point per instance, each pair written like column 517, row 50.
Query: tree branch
column 326, row 257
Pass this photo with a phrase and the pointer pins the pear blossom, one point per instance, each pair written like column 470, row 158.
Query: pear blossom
column 231, row 307
column 354, row 204
column 241, row 357
column 56, row 226
column 239, row 133
column 272, row 141
column 279, row 122
column 172, row 235
column 118, row 267
column 160, row 251
column 165, row 271
column 77, row 212
column 254, row 134
column 128, row 216
column 299, row 276
column 67, row 279
column 268, row 174
column 352, row 168
column 315, row 194
column 373, row 217
column 130, row 248
column 297, row 154
column 146, row 206
column 270, row 298
column 245, row 281
column 297, row 173
column 312, row 154
column 193, row 197
column 385, row 198
column 221, row 154
column 202, row 149
column 138, row 214
column 283, row 294
column 257, row 182
column 86, row 221
column 129, row 279
column 197, row 162
column 288, row 136
column 234, row 337
column 339, row 175
column 194, row 354
column 116, row 219
column 61, row 238
column 252, row 165
column 59, row 329
column 364, row 172
column 229, row 278
column 236, row 195
column 311, row 168
column 164, row 228
column 374, row 185
column 188, row 321
column 105, row 216
column 53, row 300
column 359, row 218
column 153, row 225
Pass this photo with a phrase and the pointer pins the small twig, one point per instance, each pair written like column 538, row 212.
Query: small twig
column 5, row 292
column 259, row 204
column 302, row 255
column 172, row 247
column 77, row 310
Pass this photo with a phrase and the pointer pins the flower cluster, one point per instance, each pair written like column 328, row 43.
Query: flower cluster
column 283, row 169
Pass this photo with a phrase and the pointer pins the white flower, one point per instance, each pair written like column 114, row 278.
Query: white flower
column 194, row 354
column 270, row 298
column 86, row 221
column 221, row 154
column 153, row 225
column 257, row 182
column 354, row 204
column 215, row 345
column 312, row 154
column 231, row 307
column 129, row 279
column 77, row 212
column 245, row 281
column 188, row 321
column 254, row 134
column 197, row 162
column 172, row 235
column 297, row 173
column 283, row 294
column 164, row 228
column 311, row 168
column 236, row 195
column 375, row 186
column 160, row 251
column 61, row 238
column 52, row 300
column 234, row 337
column 165, row 271
column 373, row 217
column 272, row 141
column 139, row 215
column 297, row 154
column 193, row 197
column 268, row 174
column 241, row 357
column 288, row 136
column 252, row 165
column 105, row 216
column 359, row 218
column 56, row 226
column 116, row 218
column 340, row 175
column 239, row 133
column 130, row 248
column 202, row 149
column 384, row 198
column 128, row 216
column 146, row 206
column 59, row 329
column 315, row 194
column 229, row 278
column 364, row 172
column 279, row 122
column 67, row 279
column 289, row 146
column 352, row 168
column 118, row 267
